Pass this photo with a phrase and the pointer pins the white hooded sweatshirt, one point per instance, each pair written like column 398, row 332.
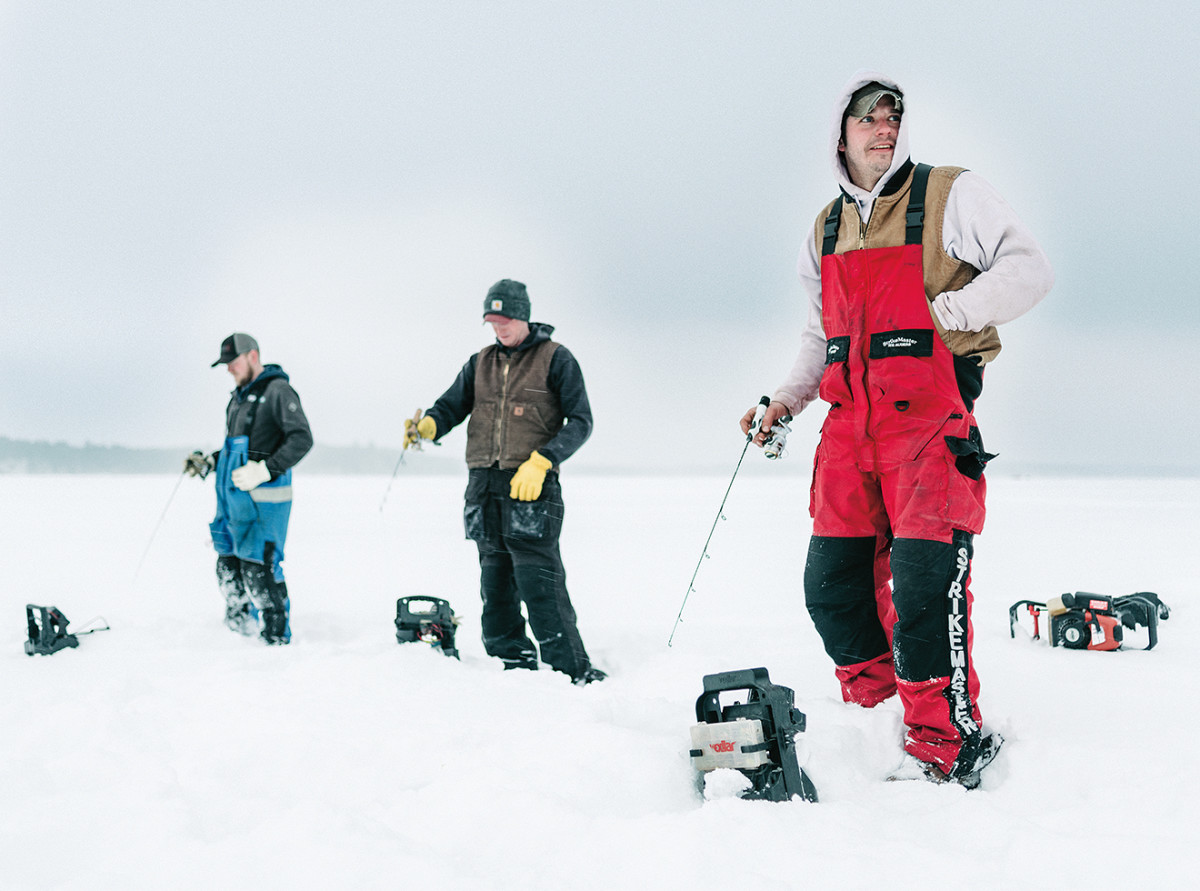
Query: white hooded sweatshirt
column 979, row 228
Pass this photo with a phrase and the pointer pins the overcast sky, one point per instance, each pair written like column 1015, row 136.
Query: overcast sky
column 344, row 181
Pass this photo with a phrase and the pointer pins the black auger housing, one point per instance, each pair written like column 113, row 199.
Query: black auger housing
column 47, row 630
column 427, row 619
column 755, row 736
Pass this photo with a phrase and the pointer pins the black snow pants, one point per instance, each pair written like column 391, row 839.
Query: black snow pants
column 519, row 562
column 251, row 589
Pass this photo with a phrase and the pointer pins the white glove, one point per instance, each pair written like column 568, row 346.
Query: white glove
column 249, row 475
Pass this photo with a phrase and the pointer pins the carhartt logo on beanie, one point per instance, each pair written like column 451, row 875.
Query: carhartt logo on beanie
column 507, row 298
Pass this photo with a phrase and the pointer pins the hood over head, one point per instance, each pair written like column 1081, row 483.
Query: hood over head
column 538, row 332
column 861, row 78
column 269, row 372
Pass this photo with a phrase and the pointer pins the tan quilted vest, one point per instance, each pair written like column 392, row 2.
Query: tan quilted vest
column 942, row 272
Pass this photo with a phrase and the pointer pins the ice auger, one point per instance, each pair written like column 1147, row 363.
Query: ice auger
column 1083, row 621
column 427, row 619
column 756, row 737
column 48, row 630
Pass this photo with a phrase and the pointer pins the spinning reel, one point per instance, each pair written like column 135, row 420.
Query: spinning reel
column 776, row 440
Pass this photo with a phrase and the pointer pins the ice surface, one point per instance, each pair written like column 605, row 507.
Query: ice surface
column 169, row 752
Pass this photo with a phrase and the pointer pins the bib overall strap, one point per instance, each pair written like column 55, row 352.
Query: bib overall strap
column 257, row 389
column 829, row 241
column 914, row 222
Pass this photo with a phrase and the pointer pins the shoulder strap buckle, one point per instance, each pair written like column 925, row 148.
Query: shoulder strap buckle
column 832, row 222
column 914, row 218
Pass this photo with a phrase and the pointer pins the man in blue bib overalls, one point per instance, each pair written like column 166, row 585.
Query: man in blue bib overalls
column 266, row 433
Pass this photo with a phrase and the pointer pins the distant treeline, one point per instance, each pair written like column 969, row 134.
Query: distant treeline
column 21, row 456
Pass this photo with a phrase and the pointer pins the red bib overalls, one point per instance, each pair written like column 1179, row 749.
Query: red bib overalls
column 897, row 494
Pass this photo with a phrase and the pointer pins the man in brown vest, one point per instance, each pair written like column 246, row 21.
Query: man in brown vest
column 529, row 412
column 907, row 272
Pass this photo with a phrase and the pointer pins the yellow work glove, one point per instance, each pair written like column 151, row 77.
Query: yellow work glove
column 415, row 431
column 527, row 481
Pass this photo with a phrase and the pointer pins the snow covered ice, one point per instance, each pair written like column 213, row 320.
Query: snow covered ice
column 169, row 752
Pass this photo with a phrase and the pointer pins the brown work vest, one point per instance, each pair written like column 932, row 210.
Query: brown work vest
column 514, row 412
column 941, row 271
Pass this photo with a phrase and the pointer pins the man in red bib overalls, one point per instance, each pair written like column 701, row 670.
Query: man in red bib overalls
column 907, row 272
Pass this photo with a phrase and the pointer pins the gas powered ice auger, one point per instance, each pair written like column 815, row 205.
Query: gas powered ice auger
column 756, row 737
column 427, row 619
column 1083, row 621
column 48, row 630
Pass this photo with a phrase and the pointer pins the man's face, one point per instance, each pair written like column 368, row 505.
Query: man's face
column 241, row 369
column 870, row 143
column 510, row 332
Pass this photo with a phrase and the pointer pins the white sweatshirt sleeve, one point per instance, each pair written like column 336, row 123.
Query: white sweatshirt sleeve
column 981, row 229
column 803, row 381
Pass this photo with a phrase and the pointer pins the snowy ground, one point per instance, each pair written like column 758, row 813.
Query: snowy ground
column 168, row 752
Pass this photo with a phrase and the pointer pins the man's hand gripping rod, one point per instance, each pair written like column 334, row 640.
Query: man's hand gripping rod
column 758, row 416
column 776, row 441
column 415, row 444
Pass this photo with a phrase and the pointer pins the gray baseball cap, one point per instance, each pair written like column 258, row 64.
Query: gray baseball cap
column 233, row 346
column 867, row 97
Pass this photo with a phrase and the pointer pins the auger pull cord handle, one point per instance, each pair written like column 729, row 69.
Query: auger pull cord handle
column 758, row 416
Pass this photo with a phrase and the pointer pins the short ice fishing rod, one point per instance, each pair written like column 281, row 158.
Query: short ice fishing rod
column 415, row 445
column 388, row 490
column 158, row 525
column 758, row 416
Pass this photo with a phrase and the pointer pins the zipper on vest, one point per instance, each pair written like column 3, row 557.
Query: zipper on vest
column 862, row 233
column 503, row 413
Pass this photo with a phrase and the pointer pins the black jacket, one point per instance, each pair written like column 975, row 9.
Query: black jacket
column 268, row 411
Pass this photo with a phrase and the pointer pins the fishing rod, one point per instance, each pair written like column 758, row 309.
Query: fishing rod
column 759, row 411
column 773, row 447
column 158, row 525
column 409, row 424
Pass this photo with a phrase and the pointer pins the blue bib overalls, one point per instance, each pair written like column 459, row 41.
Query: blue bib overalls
column 248, row 533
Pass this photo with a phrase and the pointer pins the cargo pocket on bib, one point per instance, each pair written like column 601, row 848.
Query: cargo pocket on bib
column 473, row 522
column 527, row 520
column 222, row 539
column 969, row 455
column 240, row 508
column 476, row 498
